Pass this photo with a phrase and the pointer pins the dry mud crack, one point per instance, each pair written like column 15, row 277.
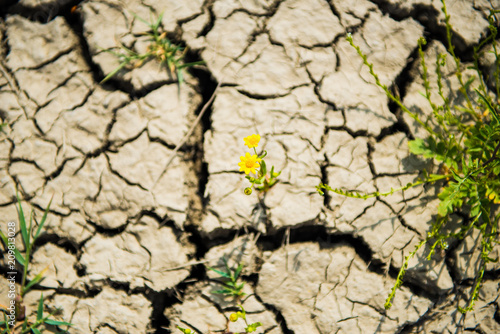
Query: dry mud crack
column 127, row 247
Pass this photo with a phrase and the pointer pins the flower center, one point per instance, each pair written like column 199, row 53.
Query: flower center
column 249, row 163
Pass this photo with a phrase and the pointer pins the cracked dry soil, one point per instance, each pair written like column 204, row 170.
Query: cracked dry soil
column 127, row 252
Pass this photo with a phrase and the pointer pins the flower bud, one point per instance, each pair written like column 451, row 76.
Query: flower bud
column 248, row 191
column 233, row 317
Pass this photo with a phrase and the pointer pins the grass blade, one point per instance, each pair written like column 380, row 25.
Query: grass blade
column 223, row 274
column 22, row 223
column 238, row 271
column 156, row 25
column 38, row 278
column 141, row 19
column 17, row 254
column 40, row 226
column 57, row 323
column 39, row 313
column 116, row 70
column 32, row 215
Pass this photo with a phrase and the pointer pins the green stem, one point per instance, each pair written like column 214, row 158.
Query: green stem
column 27, row 260
column 386, row 90
column 451, row 49
column 353, row 194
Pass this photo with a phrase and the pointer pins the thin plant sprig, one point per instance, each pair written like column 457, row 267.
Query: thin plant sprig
column 391, row 96
column 168, row 54
column 356, row 194
column 451, row 50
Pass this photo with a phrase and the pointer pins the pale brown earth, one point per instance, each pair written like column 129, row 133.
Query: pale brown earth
column 127, row 253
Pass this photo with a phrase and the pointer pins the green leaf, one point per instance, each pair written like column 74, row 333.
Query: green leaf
column 274, row 174
column 142, row 20
column 457, row 177
column 38, row 278
column 222, row 273
column 475, row 210
column 444, row 208
column 116, row 70
column 35, row 330
column 57, row 323
column 40, row 226
column 17, row 254
column 22, row 223
column 39, row 313
column 417, row 146
column 223, row 291
column 30, row 229
column 238, row 271
column 263, row 168
column 156, row 25
column 180, row 77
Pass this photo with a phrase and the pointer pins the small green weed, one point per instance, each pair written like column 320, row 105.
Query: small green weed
column 168, row 54
column 16, row 311
column 465, row 142
column 255, row 164
column 229, row 280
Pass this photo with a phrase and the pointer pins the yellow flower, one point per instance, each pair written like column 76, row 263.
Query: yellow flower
column 248, row 163
column 252, row 141
column 494, row 198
